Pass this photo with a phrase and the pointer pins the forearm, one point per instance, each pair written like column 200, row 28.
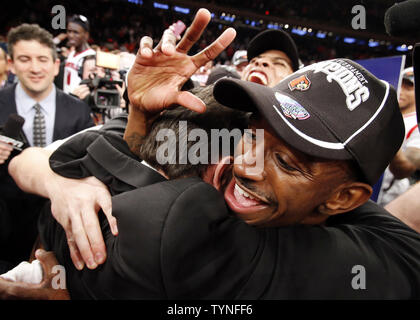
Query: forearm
column 31, row 171
column 401, row 167
column 406, row 207
column 413, row 155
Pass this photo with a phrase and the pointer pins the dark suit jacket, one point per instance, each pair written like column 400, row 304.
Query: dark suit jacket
column 178, row 240
column 72, row 115
column 18, row 210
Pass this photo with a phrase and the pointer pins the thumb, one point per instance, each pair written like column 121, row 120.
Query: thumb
column 47, row 260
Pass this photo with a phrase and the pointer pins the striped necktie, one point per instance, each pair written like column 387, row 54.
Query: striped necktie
column 39, row 127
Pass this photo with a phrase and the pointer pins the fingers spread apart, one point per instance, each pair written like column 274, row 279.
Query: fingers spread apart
column 214, row 49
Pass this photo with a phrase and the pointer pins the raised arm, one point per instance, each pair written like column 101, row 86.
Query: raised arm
column 157, row 75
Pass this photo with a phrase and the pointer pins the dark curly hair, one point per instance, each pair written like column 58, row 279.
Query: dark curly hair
column 30, row 32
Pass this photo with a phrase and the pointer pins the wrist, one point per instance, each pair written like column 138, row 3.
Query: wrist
column 138, row 126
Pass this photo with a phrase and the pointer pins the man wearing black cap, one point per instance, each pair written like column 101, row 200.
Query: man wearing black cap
column 77, row 38
column 272, row 55
column 321, row 126
column 182, row 242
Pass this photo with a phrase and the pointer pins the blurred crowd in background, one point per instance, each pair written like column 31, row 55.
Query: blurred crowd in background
column 120, row 29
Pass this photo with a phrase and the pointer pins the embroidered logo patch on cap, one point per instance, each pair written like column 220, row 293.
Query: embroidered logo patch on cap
column 301, row 83
column 291, row 108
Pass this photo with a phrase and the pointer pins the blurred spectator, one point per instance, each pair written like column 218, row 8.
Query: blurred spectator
column 85, row 90
column 407, row 160
column 77, row 38
column 134, row 19
column 63, row 53
column 3, row 68
column 126, row 61
column 240, row 61
column 202, row 74
column 87, row 69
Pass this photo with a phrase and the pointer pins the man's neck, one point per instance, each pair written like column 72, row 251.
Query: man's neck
column 82, row 47
column 409, row 109
column 38, row 96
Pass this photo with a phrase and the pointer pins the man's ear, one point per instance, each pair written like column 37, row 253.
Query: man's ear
column 221, row 167
column 345, row 198
column 56, row 67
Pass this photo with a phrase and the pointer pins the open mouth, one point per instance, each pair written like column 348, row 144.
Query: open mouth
column 257, row 77
column 243, row 201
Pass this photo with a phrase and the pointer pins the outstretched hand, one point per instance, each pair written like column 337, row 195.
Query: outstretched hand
column 157, row 75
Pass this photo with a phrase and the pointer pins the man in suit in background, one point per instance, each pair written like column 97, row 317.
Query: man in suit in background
column 33, row 59
column 49, row 115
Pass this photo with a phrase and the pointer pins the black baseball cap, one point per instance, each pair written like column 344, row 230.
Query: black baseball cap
column 274, row 40
column 333, row 109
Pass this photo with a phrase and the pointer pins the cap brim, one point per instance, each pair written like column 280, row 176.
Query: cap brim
column 274, row 40
column 250, row 97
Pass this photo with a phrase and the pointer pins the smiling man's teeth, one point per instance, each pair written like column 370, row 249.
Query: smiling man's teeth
column 243, row 192
column 258, row 75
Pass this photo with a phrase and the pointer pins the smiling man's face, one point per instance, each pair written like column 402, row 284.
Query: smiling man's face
column 290, row 187
column 34, row 65
column 268, row 69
